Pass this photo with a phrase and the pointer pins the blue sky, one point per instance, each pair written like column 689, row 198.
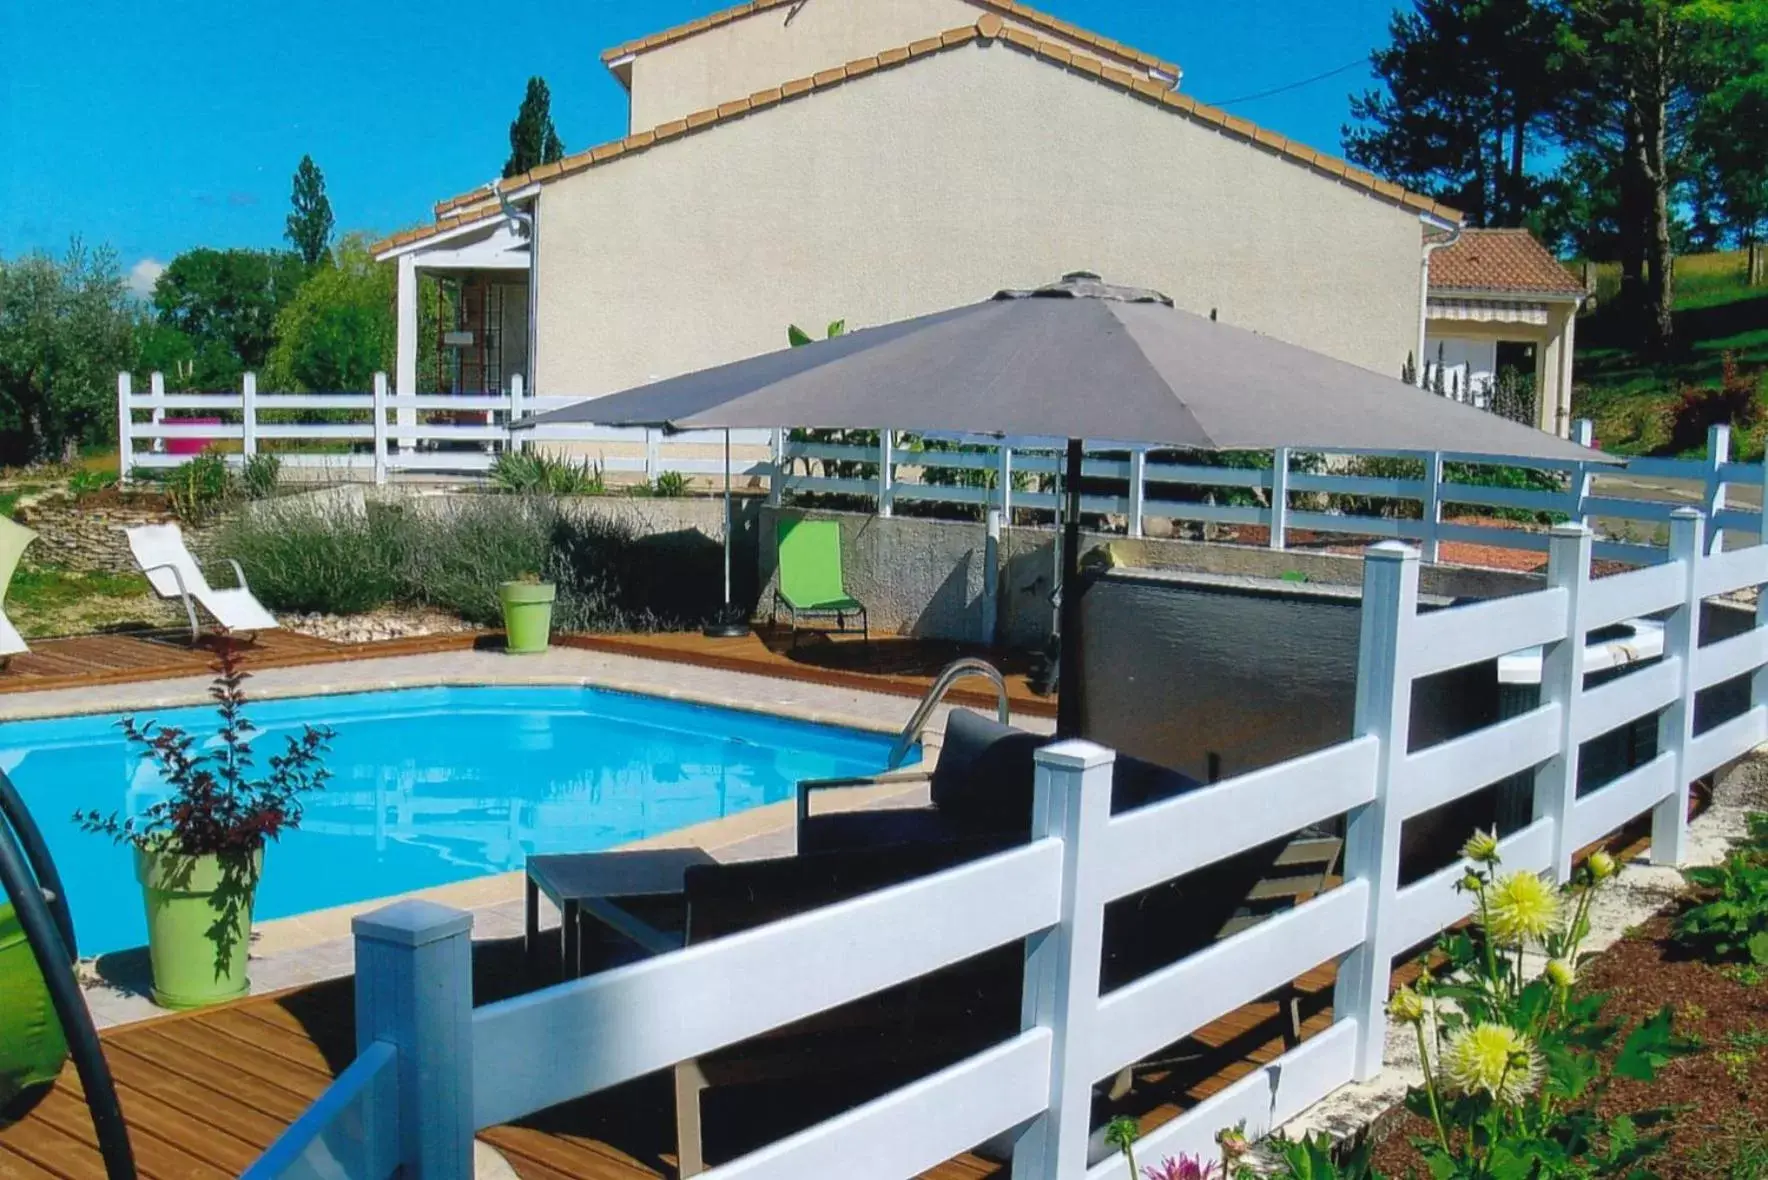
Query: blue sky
column 156, row 125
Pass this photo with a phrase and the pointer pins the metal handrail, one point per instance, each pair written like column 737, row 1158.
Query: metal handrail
column 953, row 672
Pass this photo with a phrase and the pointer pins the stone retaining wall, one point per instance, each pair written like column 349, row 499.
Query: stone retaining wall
column 84, row 538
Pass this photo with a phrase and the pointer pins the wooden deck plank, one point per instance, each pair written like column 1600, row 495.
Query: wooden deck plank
column 64, row 1111
column 18, row 1167
column 302, row 1085
column 224, row 1109
column 274, row 1102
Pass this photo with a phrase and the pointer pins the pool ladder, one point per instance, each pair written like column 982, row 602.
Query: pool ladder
column 942, row 684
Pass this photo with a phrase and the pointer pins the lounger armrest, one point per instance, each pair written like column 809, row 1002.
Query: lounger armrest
column 239, row 574
column 183, row 593
column 888, row 778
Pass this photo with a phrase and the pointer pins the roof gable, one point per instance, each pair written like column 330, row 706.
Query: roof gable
column 482, row 203
column 1031, row 16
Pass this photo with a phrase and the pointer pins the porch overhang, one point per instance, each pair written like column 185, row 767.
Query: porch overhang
column 1535, row 309
column 491, row 243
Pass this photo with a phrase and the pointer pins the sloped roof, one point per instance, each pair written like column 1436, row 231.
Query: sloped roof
column 1505, row 261
column 480, row 204
column 1030, row 16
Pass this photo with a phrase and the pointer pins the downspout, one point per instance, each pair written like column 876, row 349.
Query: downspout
column 1430, row 248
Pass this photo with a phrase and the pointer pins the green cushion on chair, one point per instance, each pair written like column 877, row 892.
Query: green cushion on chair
column 810, row 567
column 32, row 1045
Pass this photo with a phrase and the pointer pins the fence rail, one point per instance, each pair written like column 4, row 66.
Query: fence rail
column 460, row 1069
column 391, row 436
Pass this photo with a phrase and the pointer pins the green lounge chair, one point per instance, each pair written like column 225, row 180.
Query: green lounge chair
column 15, row 538
column 810, row 584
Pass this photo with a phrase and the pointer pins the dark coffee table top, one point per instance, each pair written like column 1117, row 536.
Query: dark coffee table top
column 639, row 873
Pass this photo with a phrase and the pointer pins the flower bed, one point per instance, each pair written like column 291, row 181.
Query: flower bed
column 1720, row 1131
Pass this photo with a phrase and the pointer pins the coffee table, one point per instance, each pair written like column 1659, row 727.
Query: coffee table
column 594, row 883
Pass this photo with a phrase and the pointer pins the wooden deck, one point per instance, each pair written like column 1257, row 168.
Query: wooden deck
column 899, row 667
column 205, row 1092
column 88, row 661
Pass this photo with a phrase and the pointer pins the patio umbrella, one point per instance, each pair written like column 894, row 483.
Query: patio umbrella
column 1079, row 359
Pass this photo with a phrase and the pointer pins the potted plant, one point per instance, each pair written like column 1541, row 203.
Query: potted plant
column 527, row 613
column 199, row 853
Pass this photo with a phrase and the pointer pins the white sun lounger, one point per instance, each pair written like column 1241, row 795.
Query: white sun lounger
column 15, row 538
column 162, row 555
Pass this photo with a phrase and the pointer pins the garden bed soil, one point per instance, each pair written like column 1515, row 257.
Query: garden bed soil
column 1721, row 1131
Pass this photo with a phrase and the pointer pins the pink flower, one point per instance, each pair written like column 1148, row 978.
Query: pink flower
column 1186, row 1167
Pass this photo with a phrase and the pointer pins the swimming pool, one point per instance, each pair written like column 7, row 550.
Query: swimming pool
column 431, row 786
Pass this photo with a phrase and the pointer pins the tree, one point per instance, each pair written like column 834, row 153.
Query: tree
column 310, row 223
column 533, row 141
column 67, row 327
column 225, row 303
column 339, row 329
column 1469, row 91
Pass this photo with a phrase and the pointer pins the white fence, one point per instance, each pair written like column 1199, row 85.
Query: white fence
column 900, row 469
column 895, row 473
column 433, row 1069
column 388, row 436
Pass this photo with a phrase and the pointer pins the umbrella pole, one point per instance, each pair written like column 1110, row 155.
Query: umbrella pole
column 1068, row 629
column 725, row 626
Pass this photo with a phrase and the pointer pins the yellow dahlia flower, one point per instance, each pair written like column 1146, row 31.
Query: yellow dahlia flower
column 1521, row 907
column 1407, row 1006
column 1481, row 848
column 1560, row 974
column 1492, row 1059
column 1601, row 865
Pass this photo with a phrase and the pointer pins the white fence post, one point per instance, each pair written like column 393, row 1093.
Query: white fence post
column 518, row 439
column 653, row 460
column 1562, row 682
column 1432, row 509
column 1584, row 434
column 1279, row 498
column 886, row 472
column 1669, row 819
column 776, row 482
column 380, row 428
column 248, row 414
column 1072, row 804
column 156, row 390
column 414, row 990
column 1138, row 490
column 125, row 426
column 1718, row 454
column 1004, row 477
column 1372, row 834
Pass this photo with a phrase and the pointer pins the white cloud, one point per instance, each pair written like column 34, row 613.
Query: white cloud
column 143, row 275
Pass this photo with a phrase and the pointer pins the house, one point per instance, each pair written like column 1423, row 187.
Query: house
column 1500, row 302
column 867, row 160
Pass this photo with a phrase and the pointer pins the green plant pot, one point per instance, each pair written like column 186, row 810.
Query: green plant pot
column 527, row 615
column 199, row 925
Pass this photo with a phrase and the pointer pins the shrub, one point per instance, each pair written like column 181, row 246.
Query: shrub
column 1731, row 921
column 260, row 475
column 83, row 482
column 536, row 473
column 670, row 485
column 307, row 559
column 474, row 546
column 200, row 489
column 1733, row 403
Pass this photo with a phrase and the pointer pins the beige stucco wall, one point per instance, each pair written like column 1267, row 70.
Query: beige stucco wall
column 739, row 58
column 933, row 185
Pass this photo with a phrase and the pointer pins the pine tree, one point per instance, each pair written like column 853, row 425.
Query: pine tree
column 533, row 140
column 310, row 223
column 1468, row 92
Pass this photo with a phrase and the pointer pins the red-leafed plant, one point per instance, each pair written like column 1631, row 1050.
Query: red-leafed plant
column 1735, row 403
column 218, row 806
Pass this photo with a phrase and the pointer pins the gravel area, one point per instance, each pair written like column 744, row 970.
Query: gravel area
column 391, row 623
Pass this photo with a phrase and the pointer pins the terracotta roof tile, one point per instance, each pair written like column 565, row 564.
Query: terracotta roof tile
column 1022, row 12
column 1504, row 260
column 474, row 204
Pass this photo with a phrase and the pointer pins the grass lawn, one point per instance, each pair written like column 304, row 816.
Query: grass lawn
column 1629, row 395
column 44, row 601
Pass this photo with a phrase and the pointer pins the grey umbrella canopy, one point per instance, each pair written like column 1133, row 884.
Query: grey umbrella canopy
column 1078, row 359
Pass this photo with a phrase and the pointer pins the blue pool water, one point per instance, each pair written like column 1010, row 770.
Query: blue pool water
column 431, row 786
